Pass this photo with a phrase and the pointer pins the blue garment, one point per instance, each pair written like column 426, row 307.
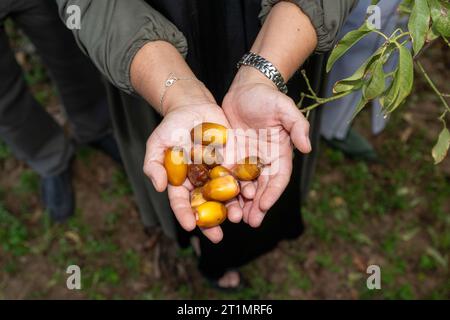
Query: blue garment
column 337, row 115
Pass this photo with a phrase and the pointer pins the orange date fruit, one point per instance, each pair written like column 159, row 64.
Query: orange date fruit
column 249, row 170
column 175, row 163
column 210, row 214
column 197, row 198
column 198, row 174
column 219, row 171
column 221, row 189
column 208, row 133
column 207, row 155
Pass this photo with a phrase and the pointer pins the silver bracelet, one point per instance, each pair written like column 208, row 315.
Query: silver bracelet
column 266, row 68
column 171, row 80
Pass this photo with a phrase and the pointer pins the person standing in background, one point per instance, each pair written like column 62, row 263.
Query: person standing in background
column 336, row 115
column 31, row 133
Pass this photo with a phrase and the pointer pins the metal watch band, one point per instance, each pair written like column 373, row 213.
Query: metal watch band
column 265, row 67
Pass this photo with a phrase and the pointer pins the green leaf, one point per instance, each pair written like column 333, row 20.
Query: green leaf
column 440, row 150
column 362, row 103
column 348, row 41
column 419, row 24
column 388, row 96
column 403, row 81
column 344, row 86
column 440, row 17
column 406, row 6
column 355, row 81
column 377, row 82
column 432, row 34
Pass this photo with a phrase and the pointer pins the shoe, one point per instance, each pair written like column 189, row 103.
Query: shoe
column 108, row 145
column 355, row 146
column 58, row 196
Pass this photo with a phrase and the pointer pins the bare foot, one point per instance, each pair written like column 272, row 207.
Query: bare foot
column 231, row 279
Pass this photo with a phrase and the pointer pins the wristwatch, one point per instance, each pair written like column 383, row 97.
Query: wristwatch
column 265, row 67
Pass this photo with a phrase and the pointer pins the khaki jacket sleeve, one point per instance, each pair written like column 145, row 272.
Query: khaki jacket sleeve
column 112, row 31
column 327, row 17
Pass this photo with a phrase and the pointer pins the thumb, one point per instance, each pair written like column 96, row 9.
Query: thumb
column 295, row 123
column 153, row 164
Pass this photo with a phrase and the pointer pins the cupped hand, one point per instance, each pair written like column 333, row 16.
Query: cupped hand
column 174, row 130
column 253, row 102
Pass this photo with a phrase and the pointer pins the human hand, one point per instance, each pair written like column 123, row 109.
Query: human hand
column 182, row 112
column 254, row 102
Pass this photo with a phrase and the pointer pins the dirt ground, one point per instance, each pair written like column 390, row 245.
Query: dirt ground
column 394, row 214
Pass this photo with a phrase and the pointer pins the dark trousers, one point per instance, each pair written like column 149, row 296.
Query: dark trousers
column 25, row 126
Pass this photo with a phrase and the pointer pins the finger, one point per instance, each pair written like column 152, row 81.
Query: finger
column 295, row 123
column 215, row 234
column 248, row 189
column 234, row 211
column 256, row 215
column 277, row 183
column 246, row 207
column 180, row 202
column 153, row 164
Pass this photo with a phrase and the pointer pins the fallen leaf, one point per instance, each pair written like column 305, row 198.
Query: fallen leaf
column 410, row 234
column 436, row 255
column 406, row 134
column 73, row 236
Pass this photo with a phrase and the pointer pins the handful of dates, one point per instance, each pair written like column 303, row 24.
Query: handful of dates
column 214, row 184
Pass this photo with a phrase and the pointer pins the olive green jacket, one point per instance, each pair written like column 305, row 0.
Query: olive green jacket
column 112, row 31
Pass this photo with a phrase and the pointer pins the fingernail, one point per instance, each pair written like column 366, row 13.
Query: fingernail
column 308, row 143
column 257, row 220
column 248, row 192
column 235, row 217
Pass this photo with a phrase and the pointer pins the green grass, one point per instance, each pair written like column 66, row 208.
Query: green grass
column 110, row 220
column 132, row 261
column 37, row 74
column 394, row 214
column 154, row 293
column 84, row 154
column 298, row 279
column 28, row 183
column 119, row 188
column 93, row 246
column 325, row 260
column 5, row 152
column 13, row 234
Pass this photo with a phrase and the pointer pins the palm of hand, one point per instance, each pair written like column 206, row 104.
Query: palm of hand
column 261, row 106
column 174, row 130
column 256, row 106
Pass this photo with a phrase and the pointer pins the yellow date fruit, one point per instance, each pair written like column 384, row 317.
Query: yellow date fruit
column 248, row 170
column 210, row 214
column 208, row 133
column 198, row 174
column 219, row 171
column 207, row 155
column 221, row 189
column 176, row 166
column 197, row 198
